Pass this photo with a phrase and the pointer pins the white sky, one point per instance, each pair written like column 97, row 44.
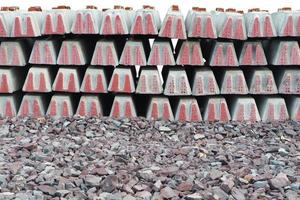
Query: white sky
column 161, row 5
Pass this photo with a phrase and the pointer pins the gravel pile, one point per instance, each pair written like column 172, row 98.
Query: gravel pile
column 136, row 159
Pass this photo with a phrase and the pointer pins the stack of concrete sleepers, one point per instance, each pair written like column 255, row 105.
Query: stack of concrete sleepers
column 213, row 66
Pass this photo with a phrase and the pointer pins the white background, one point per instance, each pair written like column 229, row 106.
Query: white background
column 161, row 5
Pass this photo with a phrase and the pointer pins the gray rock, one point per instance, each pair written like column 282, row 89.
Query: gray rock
column 238, row 194
column 140, row 187
column 168, row 193
column 292, row 195
column 157, row 185
column 109, row 184
column 109, row 196
column 164, row 129
column 62, row 193
column 71, row 172
column 4, row 130
column 92, row 181
column 261, row 184
column 214, row 164
column 215, row 174
column 101, row 171
column 221, row 129
column 280, row 181
column 199, row 136
column 38, row 195
column 227, row 185
column 46, row 189
column 277, row 162
column 146, row 174
column 117, row 123
column 129, row 197
column 89, row 134
column 218, row 193
column 194, row 196
column 295, row 186
column 24, row 196
column 145, row 195
column 7, row 195
column 92, row 193
column 3, row 180
column 185, row 186
column 283, row 152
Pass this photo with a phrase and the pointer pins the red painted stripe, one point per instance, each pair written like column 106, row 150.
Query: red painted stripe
column 268, row 31
column 78, row 23
column 65, row 109
column 99, row 84
column 128, row 111
column 4, row 84
column 253, row 113
column 127, row 84
column 94, row 109
column 17, row 27
column 138, row 25
column 289, row 27
column 119, row 29
column 29, row 26
column 25, row 108
column 29, row 83
column 59, row 82
column 42, row 84
column 15, row 57
column 3, row 32
column 239, row 30
column 241, row 113
column 195, row 112
column 90, row 24
column 179, row 33
column 9, row 110
column 260, row 55
column 48, row 25
column 60, row 27
column 256, row 28
column 199, row 87
column 197, row 28
column 150, row 28
column 227, row 31
column 166, row 111
column 247, row 57
column 154, row 111
column 72, row 84
column 82, row 111
column 36, row 109
column 182, row 113
column 76, row 60
column 271, row 112
column 210, row 28
column 107, row 27
column 142, row 82
column 115, row 83
column 53, row 108
column 87, row 83
column 167, row 29
column 211, row 112
column 48, row 56
column 224, row 116
column 116, row 110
